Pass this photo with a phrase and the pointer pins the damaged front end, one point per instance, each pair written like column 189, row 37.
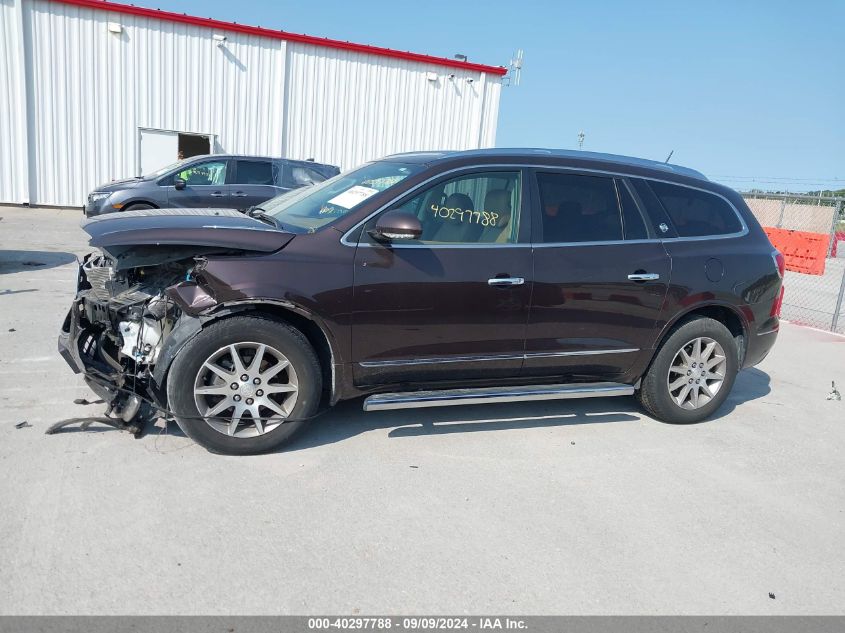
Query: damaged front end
column 138, row 299
column 116, row 329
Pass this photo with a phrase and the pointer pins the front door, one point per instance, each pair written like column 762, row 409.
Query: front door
column 453, row 304
column 205, row 185
column 600, row 278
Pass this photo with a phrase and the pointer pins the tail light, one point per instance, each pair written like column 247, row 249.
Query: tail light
column 780, row 264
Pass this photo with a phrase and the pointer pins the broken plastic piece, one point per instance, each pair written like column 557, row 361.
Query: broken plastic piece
column 22, row 425
column 834, row 392
column 85, row 423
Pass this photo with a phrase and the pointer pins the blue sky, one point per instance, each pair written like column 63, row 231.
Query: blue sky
column 738, row 90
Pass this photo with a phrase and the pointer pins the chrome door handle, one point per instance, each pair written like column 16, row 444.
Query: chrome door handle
column 506, row 281
column 239, row 194
column 644, row 277
column 217, row 194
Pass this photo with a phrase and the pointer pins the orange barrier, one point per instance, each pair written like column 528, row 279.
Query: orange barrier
column 804, row 252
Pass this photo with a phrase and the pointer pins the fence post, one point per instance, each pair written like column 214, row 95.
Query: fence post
column 838, row 307
column 782, row 208
column 836, row 208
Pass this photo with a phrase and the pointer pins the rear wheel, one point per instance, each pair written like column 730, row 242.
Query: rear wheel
column 244, row 385
column 692, row 373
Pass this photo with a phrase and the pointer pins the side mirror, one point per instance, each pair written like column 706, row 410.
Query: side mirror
column 397, row 225
column 179, row 183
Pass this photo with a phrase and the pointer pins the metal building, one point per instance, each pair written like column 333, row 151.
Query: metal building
column 94, row 91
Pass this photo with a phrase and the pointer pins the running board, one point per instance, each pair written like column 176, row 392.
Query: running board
column 492, row 395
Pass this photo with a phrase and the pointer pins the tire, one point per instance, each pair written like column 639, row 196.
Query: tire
column 138, row 206
column 203, row 376
column 663, row 387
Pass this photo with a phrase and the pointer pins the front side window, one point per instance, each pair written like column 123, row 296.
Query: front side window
column 254, row 172
column 308, row 209
column 696, row 213
column 481, row 208
column 578, row 208
column 207, row 173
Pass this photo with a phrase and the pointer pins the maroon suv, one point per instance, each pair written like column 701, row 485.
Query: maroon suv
column 423, row 280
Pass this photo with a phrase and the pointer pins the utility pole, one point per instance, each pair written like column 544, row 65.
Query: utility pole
column 581, row 136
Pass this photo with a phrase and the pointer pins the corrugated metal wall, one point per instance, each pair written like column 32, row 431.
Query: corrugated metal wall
column 93, row 89
column 14, row 172
column 368, row 106
column 79, row 94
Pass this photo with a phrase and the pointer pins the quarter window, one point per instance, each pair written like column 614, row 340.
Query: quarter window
column 696, row 213
column 254, row 172
column 578, row 209
column 481, row 208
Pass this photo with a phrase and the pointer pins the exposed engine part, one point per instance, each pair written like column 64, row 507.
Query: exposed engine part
column 142, row 338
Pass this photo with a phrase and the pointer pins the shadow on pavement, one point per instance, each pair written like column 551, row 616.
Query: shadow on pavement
column 751, row 384
column 348, row 419
column 17, row 261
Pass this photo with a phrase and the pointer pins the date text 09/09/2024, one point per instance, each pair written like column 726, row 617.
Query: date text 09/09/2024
column 416, row 623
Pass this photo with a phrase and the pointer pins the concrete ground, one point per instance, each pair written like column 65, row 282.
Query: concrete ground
column 555, row 508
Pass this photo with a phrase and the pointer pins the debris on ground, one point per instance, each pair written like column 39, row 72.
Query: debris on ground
column 85, row 423
column 834, row 392
column 22, row 425
column 771, row 595
column 11, row 329
column 85, row 401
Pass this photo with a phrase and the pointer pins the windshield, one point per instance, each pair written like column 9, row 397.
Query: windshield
column 310, row 208
column 164, row 170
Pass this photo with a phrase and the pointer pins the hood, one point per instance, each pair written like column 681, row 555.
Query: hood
column 117, row 185
column 216, row 228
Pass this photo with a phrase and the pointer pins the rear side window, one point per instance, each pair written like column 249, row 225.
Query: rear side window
column 577, row 208
column 254, row 172
column 301, row 176
column 696, row 213
column 657, row 217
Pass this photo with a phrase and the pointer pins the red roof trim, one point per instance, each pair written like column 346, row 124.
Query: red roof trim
column 105, row 5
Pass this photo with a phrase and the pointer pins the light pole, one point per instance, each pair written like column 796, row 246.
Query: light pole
column 581, row 136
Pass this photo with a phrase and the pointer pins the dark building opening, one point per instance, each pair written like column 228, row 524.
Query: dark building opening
column 193, row 145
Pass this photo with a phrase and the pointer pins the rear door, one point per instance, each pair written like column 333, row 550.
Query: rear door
column 600, row 277
column 252, row 182
column 205, row 185
column 451, row 306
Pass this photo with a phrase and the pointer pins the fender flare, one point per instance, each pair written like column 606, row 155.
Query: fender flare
column 734, row 309
column 189, row 327
column 129, row 203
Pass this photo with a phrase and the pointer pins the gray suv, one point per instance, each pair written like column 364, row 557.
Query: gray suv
column 211, row 180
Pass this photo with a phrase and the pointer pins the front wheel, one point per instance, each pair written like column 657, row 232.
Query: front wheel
column 244, row 385
column 138, row 206
column 692, row 373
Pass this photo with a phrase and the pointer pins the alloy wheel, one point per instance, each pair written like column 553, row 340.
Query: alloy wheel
column 697, row 373
column 246, row 389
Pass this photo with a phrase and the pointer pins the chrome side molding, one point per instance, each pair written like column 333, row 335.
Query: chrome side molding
column 492, row 395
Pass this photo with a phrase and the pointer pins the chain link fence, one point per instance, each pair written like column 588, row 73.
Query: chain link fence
column 810, row 299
